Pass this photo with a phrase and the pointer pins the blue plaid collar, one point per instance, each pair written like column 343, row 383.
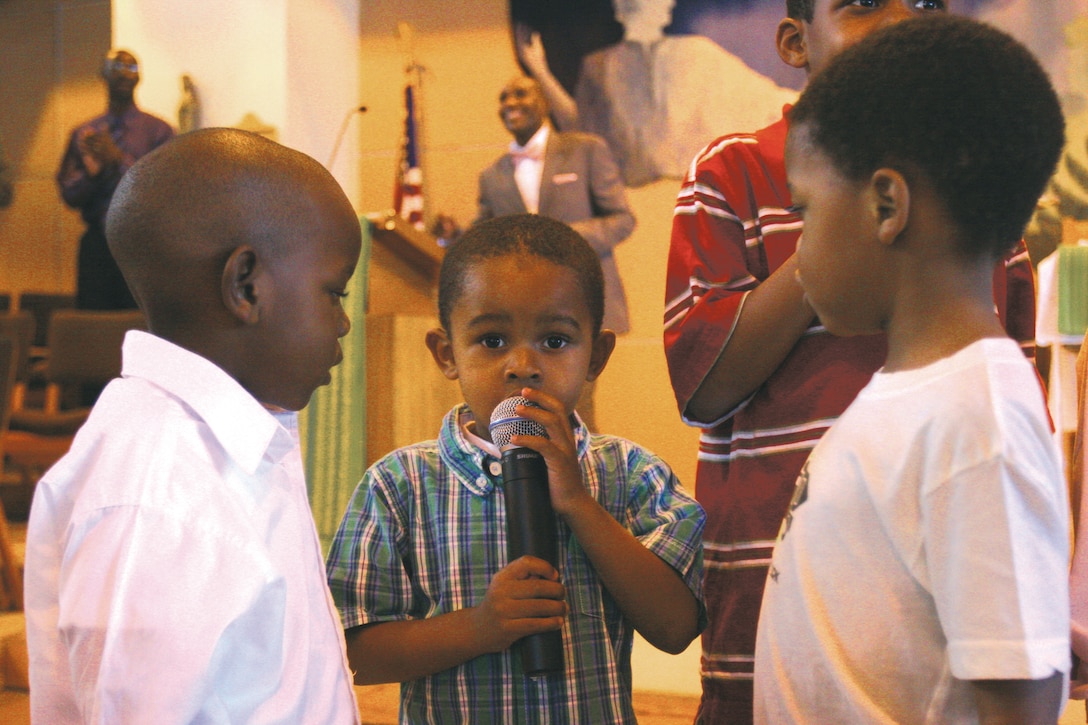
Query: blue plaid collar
column 471, row 464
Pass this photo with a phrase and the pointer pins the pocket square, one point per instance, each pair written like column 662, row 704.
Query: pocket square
column 565, row 178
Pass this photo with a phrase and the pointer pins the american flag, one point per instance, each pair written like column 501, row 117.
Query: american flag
column 408, row 193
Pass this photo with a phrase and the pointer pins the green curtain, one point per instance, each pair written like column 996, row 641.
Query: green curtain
column 1072, row 290
column 333, row 425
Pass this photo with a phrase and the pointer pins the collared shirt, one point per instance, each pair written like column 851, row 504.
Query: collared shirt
column 426, row 532
column 136, row 133
column 529, row 167
column 173, row 572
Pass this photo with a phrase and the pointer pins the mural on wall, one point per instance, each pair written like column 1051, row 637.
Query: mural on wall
column 1069, row 188
column 656, row 97
column 1057, row 32
column 661, row 78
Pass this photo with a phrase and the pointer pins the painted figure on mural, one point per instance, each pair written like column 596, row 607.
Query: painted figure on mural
column 98, row 154
column 648, row 95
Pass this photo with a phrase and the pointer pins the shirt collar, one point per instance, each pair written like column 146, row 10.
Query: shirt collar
column 471, row 463
column 245, row 428
column 534, row 147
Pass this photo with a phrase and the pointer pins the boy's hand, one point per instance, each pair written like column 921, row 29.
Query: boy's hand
column 524, row 597
column 560, row 451
column 649, row 592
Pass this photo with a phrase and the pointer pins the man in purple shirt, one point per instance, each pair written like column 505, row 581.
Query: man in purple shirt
column 99, row 152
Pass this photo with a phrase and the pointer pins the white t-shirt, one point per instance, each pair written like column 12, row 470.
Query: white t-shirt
column 927, row 544
column 173, row 572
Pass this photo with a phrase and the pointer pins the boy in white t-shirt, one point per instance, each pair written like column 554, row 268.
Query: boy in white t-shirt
column 920, row 574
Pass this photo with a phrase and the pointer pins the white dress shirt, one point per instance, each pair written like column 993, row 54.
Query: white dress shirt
column 173, row 571
column 529, row 167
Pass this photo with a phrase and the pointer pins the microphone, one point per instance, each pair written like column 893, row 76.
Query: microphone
column 530, row 520
column 343, row 130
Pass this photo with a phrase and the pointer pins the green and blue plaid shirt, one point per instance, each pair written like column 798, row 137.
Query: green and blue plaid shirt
column 426, row 531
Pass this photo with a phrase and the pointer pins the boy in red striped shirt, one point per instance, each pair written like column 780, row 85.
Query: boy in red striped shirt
column 749, row 361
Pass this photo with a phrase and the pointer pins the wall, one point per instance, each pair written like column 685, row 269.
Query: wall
column 291, row 64
column 51, row 53
column 282, row 60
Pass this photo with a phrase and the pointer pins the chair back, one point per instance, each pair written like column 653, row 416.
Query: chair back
column 19, row 326
column 41, row 305
column 85, row 345
column 8, row 364
column 11, row 578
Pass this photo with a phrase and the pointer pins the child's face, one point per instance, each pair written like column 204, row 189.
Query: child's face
column 520, row 322
column 838, row 24
column 840, row 265
column 303, row 319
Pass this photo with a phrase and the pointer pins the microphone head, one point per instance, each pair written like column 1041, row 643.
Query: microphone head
column 505, row 423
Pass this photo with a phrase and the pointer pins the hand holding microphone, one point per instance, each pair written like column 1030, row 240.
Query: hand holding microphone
column 530, row 520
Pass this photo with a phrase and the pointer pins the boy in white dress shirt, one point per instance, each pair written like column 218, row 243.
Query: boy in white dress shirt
column 173, row 572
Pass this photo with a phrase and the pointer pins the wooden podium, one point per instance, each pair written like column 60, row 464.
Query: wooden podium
column 407, row 395
column 418, row 249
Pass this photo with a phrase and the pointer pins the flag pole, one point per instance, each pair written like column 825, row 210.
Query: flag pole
column 410, row 195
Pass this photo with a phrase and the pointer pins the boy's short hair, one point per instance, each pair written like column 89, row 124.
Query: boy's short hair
column 956, row 102
column 800, row 9
column 522, row 234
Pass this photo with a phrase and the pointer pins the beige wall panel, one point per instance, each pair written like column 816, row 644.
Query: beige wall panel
column 52, row 53
column 41, row 246
column 83, row 40
column 26, row 82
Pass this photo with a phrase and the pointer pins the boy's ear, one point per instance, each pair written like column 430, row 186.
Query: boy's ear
column 790, row 41
column 438, row 342
column 602, row 351
column 891, row 195
column 239, row 285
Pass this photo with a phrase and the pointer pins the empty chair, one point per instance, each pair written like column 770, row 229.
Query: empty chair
column 19, row 326
column 8, row 363
column 11, row 578
column 85, row 349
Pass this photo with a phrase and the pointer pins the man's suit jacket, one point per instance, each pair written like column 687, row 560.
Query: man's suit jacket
column 580, row 185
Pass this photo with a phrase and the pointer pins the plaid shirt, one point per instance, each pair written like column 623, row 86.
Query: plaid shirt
column 426, row 531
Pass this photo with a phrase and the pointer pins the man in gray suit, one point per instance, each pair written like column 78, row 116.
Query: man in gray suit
column 571, row 177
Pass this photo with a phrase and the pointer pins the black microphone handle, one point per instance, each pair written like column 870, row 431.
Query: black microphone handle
column 530, row 530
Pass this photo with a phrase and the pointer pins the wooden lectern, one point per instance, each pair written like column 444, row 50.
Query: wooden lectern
column 407, row 395
column 418, row 249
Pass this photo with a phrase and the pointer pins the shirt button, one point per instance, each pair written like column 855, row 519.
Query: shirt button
column 496, row 468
